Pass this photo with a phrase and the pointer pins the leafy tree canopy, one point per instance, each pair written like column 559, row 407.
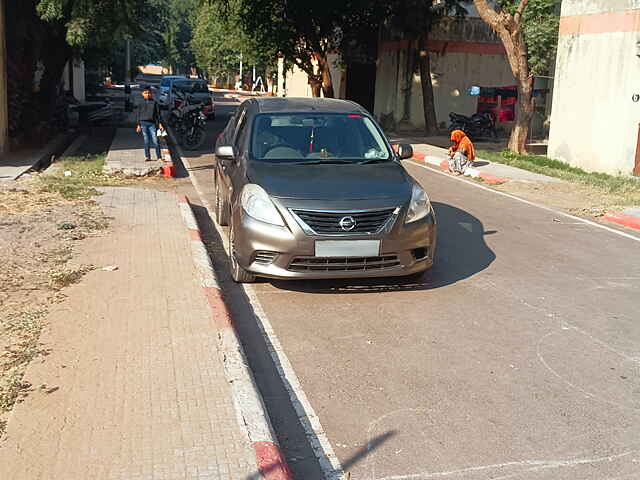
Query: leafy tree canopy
column 541, row 20
column 93, row 21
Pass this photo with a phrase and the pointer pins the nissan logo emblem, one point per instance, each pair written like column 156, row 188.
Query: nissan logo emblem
column 347, row 223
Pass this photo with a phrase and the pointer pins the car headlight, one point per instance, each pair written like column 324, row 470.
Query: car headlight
column 256, row 202
column 419, row 207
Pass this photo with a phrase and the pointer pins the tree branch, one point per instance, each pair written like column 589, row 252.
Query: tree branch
column 517, row 18
column 487, row 13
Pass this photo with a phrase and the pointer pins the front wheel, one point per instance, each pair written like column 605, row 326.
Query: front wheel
column 239, row 274
column 221, row 211
column 194, row 138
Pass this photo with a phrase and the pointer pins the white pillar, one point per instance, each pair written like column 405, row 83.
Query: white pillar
column 281, row 76
column 78, row 79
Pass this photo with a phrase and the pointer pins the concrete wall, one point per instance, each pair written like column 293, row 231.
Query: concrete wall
column 595, row 117
column 452, row 73
column 4, row 114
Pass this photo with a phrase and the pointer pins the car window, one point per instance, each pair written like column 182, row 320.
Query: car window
column 289, row 137
column 164, row 82
column 240, row 129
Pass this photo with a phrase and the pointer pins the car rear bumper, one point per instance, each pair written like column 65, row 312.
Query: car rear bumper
column 288, row 253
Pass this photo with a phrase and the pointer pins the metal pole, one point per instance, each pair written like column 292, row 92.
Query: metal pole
column 240, row 71
column 127, row 77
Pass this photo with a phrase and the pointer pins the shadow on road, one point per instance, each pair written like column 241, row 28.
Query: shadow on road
column 461, row 253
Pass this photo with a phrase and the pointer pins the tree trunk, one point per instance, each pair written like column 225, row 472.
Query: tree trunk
column 408, row 84
column 428, row 105
column 509, row 29
column 524, row 114
column 325, row 74
column 316, row 85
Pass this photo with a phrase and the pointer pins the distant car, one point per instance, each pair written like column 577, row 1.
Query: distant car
column 165, row 85
column 198, row 90
column 312, row 189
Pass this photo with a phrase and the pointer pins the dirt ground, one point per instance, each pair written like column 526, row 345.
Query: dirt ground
column 39, row 232
column 577, row 199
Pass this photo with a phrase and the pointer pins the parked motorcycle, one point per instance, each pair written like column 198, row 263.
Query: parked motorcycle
column 188, row 121
column 478, row 125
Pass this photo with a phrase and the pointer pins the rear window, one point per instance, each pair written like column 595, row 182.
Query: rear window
column 291, row 137
column 191, row 86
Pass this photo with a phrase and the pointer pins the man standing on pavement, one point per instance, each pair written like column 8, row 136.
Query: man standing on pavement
column 148, row 122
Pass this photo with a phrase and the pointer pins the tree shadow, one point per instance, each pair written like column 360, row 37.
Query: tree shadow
column 461, row 253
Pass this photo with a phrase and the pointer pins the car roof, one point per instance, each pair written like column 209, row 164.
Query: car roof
column 169, row 77
column 318, row 105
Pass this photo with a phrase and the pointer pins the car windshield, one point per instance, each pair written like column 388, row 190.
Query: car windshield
column 191, row 86
column 317, row 138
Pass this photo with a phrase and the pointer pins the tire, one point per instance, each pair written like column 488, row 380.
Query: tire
column 193, row 142
column 221, row 210
column 238, row 274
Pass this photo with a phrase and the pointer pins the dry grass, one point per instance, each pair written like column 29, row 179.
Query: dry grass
column 24, row 328
column 42, row 217
column 616, row 190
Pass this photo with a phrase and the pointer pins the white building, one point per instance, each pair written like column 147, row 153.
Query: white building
column 595, row 123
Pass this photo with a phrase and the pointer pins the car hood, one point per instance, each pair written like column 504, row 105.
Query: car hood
column 331, row 182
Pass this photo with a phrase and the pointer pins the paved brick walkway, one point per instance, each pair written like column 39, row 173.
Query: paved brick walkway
column 141, row 392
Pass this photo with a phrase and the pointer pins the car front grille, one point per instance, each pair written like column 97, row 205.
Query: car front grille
column 328, row 223
column 343, row 264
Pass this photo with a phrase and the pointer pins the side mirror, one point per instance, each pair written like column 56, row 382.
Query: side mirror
column 225, row 152
column 404, row 150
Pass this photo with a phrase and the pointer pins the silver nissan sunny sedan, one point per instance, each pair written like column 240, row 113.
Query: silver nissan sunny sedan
column 312, row 189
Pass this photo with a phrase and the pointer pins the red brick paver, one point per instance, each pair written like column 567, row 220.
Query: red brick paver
column 134, row 354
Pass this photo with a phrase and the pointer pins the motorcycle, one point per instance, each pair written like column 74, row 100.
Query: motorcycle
column 188, row 121
column 478, row 125
column 192, row 128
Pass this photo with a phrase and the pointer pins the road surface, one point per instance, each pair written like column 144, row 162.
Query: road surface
column 517, row 356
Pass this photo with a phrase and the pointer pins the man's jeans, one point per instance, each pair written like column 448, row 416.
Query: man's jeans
column 149, row 134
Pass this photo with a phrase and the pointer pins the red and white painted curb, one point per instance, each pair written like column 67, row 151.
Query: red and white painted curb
column 630, row 221
column 469, row 172
column 250, row 410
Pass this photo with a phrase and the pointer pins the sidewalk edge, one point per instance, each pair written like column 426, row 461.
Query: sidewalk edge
column 629, row 221
column 251, row 413
column 470, row 172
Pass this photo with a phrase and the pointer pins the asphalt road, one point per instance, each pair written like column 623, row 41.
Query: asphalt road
column 517, row 356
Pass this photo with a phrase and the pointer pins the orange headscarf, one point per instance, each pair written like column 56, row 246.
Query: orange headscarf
column 462, row 142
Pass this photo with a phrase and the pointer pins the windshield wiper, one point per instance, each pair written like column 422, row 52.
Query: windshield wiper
column 373, row 160
column 327, row 161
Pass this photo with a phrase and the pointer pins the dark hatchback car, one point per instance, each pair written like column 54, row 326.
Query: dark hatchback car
column 311, row 188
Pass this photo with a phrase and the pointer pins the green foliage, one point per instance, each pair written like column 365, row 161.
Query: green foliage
column 93, row 21
column 541, row 21
column 219, row 38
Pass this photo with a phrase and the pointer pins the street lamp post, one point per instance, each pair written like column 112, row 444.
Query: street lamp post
column 240, row 71
column 127, row 78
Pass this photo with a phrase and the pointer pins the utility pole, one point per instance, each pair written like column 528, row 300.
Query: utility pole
column 127, row 78
column 240, row 71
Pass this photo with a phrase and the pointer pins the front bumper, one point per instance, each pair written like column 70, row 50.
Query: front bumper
column 278, row 252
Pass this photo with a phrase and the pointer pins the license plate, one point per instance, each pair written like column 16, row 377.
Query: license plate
column 347, row 248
